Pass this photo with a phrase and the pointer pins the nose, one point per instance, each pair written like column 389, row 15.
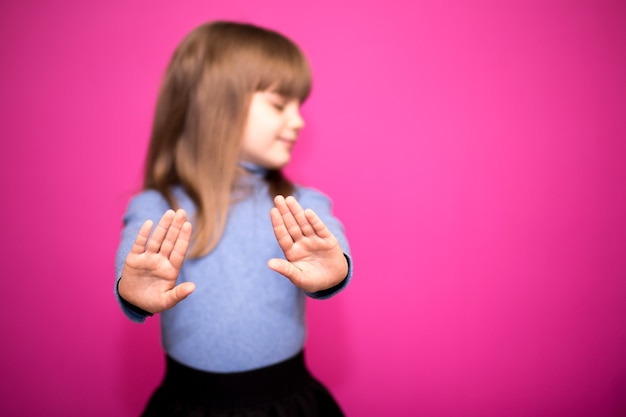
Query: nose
column 296, row 121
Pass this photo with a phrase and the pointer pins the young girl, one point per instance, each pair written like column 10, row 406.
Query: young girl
column 231, row 259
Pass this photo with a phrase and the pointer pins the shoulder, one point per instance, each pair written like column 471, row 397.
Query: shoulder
column 308, row 193
column 147, row 205
column 147, row 200
column 313, row 198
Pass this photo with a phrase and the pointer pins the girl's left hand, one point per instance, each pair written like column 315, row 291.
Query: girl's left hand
column 315, row 261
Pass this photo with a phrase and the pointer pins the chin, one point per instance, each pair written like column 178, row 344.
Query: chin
column 278, row 165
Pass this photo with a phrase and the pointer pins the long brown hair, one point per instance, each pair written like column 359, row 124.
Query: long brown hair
column 201, row 113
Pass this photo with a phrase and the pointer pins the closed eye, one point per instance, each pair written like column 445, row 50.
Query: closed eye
column 278, row 106
column 277, row 101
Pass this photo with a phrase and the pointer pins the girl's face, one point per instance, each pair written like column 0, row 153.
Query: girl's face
column 271, row 130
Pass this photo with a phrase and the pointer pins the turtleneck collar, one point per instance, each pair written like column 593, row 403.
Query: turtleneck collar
column 253, row 168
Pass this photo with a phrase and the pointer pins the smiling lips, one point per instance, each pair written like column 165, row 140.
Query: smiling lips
column 289, row 142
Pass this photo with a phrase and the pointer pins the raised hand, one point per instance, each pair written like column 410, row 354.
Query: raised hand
column 153, row 264
column 314, row 259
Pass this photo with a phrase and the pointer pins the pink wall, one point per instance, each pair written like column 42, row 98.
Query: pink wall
column 474, row 149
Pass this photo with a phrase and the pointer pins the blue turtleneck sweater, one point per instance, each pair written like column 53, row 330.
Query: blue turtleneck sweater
column 242, row 315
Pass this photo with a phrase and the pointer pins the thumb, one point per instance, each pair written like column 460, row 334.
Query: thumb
column 181, row 291
column 285, row 268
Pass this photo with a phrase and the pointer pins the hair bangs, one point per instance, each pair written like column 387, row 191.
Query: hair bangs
column 283, row 68
column 289, row 80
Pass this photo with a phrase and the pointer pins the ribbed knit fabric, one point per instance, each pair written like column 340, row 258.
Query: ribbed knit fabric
column 242, row 315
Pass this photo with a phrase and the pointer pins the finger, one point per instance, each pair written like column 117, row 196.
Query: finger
column 296, row 209
column 154, row 243
column 288, row 218
column 175, row 295
column 179, row 251
column 173, row 232
column 317, row 224
column 280, row 231
column 182, row 291
column 287, row 269
column 139, row 246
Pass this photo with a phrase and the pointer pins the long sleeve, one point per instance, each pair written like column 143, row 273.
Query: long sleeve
column 149, row 205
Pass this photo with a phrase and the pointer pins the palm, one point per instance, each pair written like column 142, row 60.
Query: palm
column 314, row 260
column 154, row 262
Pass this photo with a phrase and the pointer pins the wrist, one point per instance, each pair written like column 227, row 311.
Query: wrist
column 129, row 305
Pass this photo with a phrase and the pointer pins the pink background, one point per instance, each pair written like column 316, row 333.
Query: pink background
column 474, row 150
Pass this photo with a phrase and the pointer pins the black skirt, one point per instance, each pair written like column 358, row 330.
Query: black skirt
column 286, row 389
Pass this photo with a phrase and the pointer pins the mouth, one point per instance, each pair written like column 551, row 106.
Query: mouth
column 288, row 141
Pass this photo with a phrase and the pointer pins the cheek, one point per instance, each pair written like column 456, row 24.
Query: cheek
column 265, row 131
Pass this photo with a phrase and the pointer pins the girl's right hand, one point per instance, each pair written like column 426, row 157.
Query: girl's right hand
column 149, row 274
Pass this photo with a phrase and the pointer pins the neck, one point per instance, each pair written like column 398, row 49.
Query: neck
column 253, row 168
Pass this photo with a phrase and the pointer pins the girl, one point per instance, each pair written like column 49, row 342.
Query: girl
column 227, row 118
